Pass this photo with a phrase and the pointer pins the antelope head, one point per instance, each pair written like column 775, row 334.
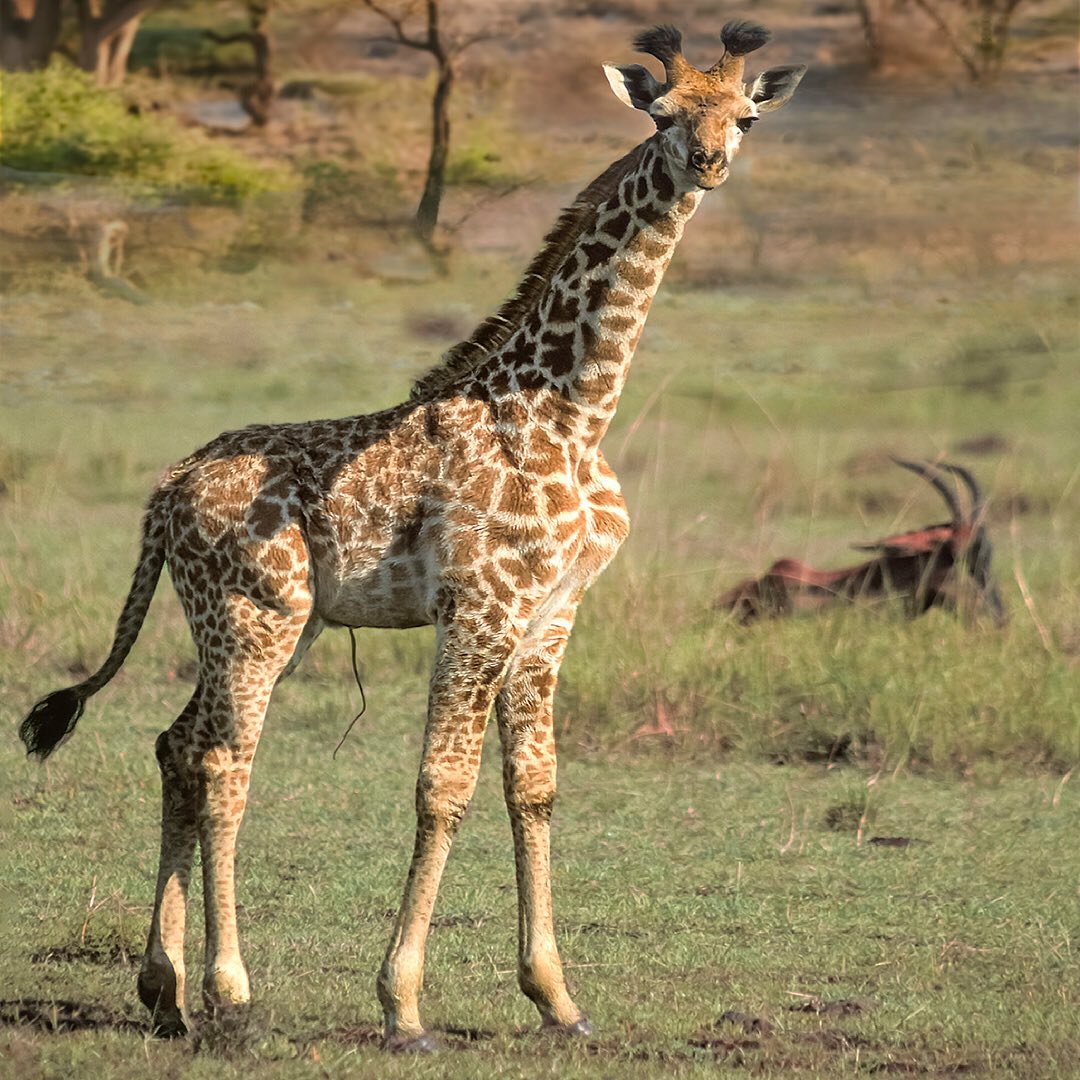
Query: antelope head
column 962, row 543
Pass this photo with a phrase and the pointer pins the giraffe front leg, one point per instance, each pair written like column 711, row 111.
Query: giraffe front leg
column 161, row 976
column 463, row 686
column 524, row 710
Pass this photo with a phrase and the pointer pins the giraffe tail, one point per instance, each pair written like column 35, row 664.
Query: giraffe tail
column 52, row 720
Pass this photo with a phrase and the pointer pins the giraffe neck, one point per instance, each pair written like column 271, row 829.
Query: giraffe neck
column 581, row 334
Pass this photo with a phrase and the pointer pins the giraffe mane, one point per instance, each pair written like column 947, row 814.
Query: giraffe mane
column 468, row 355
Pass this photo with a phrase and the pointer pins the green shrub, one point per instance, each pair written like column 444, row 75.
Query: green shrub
column 57, row 121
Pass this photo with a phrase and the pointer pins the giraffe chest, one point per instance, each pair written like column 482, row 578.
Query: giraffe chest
column 602, row 526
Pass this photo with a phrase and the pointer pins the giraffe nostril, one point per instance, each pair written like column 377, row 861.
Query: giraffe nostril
column 702, row 159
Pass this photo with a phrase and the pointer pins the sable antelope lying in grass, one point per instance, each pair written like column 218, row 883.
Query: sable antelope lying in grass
column 925, row 567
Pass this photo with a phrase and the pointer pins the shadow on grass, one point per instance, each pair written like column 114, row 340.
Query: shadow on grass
column 61, row 1017
column 735, row 1038
column 220, row 1034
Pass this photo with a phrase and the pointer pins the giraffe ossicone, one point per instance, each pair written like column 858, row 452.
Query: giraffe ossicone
column 482, row 505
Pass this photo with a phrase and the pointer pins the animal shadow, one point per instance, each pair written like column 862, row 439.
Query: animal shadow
column 60, row 1017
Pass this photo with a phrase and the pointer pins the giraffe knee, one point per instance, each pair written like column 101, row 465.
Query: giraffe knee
column 529, row 779
column 178, row 778
column 442, row 798
column 531, row 798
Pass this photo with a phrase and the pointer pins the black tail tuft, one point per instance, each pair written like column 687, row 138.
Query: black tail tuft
column 741, row 37
column 51, row 721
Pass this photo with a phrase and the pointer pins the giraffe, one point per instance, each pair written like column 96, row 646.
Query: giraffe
column 482, row 505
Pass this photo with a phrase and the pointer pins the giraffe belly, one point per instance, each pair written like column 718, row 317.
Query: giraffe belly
column 392, row 594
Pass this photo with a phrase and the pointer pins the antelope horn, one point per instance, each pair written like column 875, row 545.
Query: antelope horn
column 739, row 38
column 665, row 43
column 926, row 471
column 978, row 504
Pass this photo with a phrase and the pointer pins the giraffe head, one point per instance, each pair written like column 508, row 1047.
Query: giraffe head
column 702, row 116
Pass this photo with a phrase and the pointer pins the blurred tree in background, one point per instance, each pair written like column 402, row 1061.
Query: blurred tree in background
column 976, row 32
column 257, row 98
column 31, row 33
column 445, row 50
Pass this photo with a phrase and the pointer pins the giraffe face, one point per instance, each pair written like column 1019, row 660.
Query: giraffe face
column 701, row 129
column 702, row 116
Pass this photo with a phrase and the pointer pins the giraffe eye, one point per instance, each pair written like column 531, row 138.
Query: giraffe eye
column 745, row 124
column 662, row 122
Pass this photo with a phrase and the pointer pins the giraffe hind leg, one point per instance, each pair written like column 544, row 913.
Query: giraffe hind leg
column 248, row 605
column 161, row 977
column 259, row 643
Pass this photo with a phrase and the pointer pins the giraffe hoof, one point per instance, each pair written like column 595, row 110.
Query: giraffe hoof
column 411, row 1044
column 579, row 1029
column 167, row 1020
column 168, row 1025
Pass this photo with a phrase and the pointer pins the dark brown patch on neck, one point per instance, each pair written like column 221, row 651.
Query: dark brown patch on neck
column 662, row 183
column 596, row 254
column 616, row 227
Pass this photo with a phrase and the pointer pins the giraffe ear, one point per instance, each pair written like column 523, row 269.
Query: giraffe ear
column 633, row 85
column 774, row 87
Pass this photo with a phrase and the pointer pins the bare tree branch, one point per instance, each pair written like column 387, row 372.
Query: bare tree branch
column 398, row 23
column 435, row 41
column 245, row 36
column 459, row 45
column 950, row 38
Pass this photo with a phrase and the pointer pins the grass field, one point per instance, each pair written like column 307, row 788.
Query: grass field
column 835, row 846
column 684, row 891
column 695, row 876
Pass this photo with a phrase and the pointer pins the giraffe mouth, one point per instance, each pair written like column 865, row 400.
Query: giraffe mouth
column 711, row 179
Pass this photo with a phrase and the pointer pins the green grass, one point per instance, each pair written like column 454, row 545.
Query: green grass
column 694, row 875
column 683, row 890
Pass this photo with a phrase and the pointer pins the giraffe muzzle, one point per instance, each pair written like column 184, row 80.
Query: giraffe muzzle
column 710, row 169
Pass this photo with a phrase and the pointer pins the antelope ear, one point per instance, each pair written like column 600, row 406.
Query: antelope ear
column 633, row 85
column 774, row 87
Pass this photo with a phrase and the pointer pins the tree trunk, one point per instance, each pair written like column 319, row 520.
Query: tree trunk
column 257, row 99
column 870, row 32
column 959, row 50
column 106, row 35
column 444, row 55
column 29, row 30
column 427, row 213
column 996, row 24
column 113, row 52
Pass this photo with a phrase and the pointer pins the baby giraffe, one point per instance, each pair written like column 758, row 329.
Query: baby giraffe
column 481, row 505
